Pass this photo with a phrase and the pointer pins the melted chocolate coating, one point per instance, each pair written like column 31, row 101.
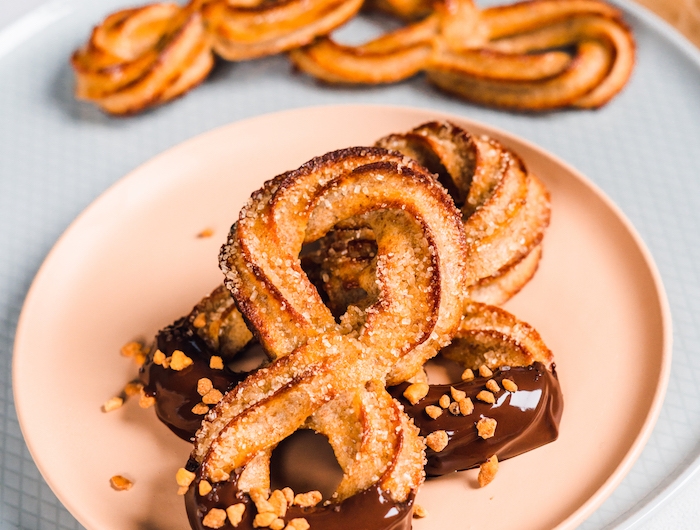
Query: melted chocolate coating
column 176, row 391
column 370, row 509
column 527, row 418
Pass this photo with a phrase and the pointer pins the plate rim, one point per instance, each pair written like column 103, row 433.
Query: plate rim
column 622, row 468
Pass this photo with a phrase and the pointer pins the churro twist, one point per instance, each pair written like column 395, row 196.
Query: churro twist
column 531, row 55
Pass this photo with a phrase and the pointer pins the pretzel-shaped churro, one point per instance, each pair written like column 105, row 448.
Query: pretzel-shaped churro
column 531, row 55
column 421, row 264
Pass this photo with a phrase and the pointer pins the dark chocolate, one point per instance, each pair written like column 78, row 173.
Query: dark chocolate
column 176, row 391
column 526, row 419
column 371, row 509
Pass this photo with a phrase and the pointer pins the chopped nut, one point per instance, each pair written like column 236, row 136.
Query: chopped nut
column 219, row 475
column 212, row 397
column 415, row 392
column 486, row 427
column 200, row 409
column 306, row 500
column 298, row 524
column 466, row 407
column 200, row 320
column 509, row 385
column 468, row 375
column 120, row 483
column 419, row 512
column 487, row 471
column 204, row 488
column 444, row 401
column 457, row 395
column 235, row 513
column 133, row 388
column 131, row 348
column 486, row 397
column 180, row 361
column 140, row 359
column 485, row 371
column 263, row 520
column 214, row 327
column 277, row 524
column 204, row 385
column 158, row 357
column 288, row 495
column 437, row 440
column 166, row 362
column 112, row 404
column 182, row 490
column 207, row 232
column 454, row 408
column 492, row 385
column 258, row 494
column 433, row 411
column 146, row 401
column 215, row 518
column 278, row 502
column 216, row 362
column 184, row 478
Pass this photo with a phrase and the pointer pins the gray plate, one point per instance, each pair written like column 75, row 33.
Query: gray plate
column 57, row 155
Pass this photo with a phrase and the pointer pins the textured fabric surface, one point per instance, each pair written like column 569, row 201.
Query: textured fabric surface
column 57, row 155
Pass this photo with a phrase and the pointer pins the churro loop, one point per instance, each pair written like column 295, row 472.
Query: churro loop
column 243, row 32
column 142, row 57
column 319, row 363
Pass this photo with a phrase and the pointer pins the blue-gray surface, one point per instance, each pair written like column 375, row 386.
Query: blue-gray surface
column 57, row 155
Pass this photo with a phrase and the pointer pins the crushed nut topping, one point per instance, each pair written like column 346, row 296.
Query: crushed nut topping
column 216, row 362
column 130, row 349
column 437, row 440
column 235, row 513
column 200, row 320
column 133, row 388
column 215, row 518
column 487, row 471
column 457, row 395
column 204, row 487
column 485, row 371
column 466, row 407
column 184, row 478
column 433, row 411
column 454, row 408
column 207, row 232
column 158, row 357
column 204, row 385
column 263, row 520
column 309, row 499
column 112, row 404
column 200, row 409
column 492, row 385
column 486, row 427
column 509, row 385
column 278, row 502
column 486, row 397
column 444, row 401
column 146, row 401
column 415, row 392
column 120, row 483
column 298, row 523
column 180, row 361
column 419, row 512
column 277, row 524
column 212, row 397
column 468, row 375
column 288, row 495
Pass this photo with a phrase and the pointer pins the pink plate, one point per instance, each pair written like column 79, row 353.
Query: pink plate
column 132, row 263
